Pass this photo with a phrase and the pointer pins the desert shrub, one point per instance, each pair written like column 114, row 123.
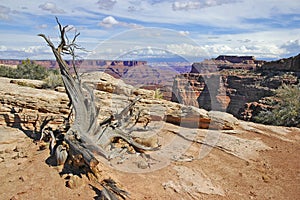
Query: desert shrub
column 6, row 71
column 26, row 70
column 30, row 70
column 158, row 94
column 286, row 111
column 53, row 80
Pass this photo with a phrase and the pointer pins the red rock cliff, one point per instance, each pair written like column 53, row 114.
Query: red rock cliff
column 237, row 88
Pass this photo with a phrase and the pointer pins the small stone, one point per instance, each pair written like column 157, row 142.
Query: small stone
column 265, row 178
column 7, row 150
column 142, row 164
column 148, row 141
column 16, row 149
column 131, row 150
column 74, row 182
column 21, row 178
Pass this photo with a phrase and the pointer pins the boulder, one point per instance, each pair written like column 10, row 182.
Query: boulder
column 222, row 120
column 189, row 116
column 107, row 83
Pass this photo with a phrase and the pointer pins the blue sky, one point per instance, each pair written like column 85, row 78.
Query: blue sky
column 194, row 29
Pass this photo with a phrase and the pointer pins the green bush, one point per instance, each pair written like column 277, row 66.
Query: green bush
column 27, row 70
column 286, row 111
column 53, row 80
column 30, row 70
column 6, row 71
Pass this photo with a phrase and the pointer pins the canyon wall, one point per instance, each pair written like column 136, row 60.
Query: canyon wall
column 240, row 87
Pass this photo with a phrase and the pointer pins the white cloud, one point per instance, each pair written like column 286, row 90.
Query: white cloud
column 188, row 50
column 36, row 49
column 4, row 12
column 271, row 44
column 146, row 42
column 106, row 4
column 110, row 21
column 213, row 50
column 260, row 50
column 43, row 26
column 49, row 6
column 184, row 33
column 190, row 5
column 292, row 46
column 3, row 48
column 186, row 5
column 32, row 52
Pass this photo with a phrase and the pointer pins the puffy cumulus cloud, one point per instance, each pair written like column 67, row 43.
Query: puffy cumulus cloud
column 110, row 21
column 4, row 12
column 51, row 7
column 292, row 46
column 184, row 33
column 188, row 5
column 106, row 4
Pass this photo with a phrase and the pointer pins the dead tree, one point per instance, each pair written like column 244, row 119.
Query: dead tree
column 86, row 135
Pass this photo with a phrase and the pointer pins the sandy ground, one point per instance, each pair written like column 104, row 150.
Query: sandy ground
column 273, row 174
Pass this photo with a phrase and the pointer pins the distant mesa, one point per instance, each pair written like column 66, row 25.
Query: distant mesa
column 227, row 62
column 237, row 59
